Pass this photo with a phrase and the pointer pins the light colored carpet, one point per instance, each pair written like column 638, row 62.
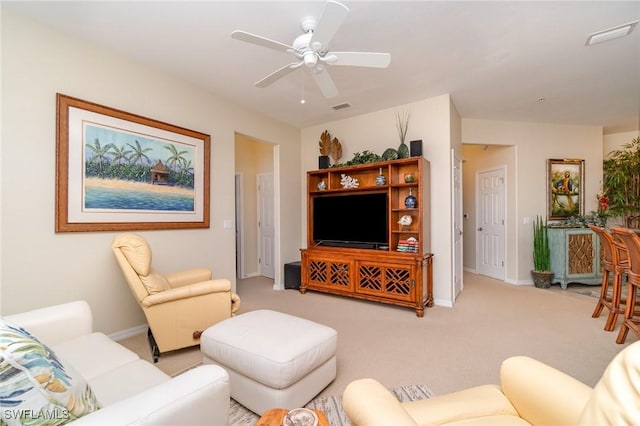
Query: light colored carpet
column 172, row 363
column 450, row 348
column 331, row 406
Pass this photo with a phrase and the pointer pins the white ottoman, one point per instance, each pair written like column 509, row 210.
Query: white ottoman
column 274, row 360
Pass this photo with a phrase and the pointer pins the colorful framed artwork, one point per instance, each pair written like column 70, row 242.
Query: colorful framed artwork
column 118, row 171
column 565, row 188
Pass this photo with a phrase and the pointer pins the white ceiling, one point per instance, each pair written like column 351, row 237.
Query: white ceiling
column 496, row 59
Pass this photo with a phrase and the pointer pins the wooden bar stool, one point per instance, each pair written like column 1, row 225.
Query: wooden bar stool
column 631, row 321
column 615, row 261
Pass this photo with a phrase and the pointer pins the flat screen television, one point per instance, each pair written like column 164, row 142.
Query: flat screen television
column 351, row 220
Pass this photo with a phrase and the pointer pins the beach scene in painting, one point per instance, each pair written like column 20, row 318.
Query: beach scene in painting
column 135, row 172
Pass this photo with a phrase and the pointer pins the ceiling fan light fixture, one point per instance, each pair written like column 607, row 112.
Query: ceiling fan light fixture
column 611, row 33
column 310, row 59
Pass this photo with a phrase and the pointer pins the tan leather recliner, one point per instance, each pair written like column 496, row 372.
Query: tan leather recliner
column 531, row 393
column 179, row 306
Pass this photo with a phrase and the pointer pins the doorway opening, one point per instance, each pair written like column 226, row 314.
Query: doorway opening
column 255, row 205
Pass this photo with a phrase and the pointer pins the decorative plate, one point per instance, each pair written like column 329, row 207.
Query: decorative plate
column 300, row 417
column 390, row 154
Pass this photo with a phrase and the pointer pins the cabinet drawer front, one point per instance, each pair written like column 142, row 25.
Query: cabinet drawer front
column 330, row 274
column 581, row 251
column 394, row 282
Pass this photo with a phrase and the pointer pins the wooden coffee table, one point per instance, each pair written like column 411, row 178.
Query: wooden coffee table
column 275, row 416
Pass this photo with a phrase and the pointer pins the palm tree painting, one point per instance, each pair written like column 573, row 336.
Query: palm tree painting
column 128, row 171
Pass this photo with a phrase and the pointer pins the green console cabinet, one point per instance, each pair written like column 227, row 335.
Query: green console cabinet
column 575, row 256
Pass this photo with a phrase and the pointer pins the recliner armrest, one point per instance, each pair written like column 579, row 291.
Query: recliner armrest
column 188, row 276
column 367, row 402
column 58, row 323
column 196, row 397
column 541, row 394
column 193, row 290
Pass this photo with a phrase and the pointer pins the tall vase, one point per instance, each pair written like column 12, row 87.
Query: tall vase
column 403, row 150
column 381, row 179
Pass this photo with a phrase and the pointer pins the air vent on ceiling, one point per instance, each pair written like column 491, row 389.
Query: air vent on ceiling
column 611, row 33
column 341, row 106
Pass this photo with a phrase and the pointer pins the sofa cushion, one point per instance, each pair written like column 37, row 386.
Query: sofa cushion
column 37, row 385
column 615, row 398
column 94, row 354
column 476, row 402
column 127, row 380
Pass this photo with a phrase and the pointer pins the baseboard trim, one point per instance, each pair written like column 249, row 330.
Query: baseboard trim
column 445, row 303
column 519, row 282
column 124, row 334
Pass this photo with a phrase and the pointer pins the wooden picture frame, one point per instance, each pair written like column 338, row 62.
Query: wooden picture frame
column 565, row 188
column 117, row 171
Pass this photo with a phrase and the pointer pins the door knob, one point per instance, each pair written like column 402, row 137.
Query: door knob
column 480, row 229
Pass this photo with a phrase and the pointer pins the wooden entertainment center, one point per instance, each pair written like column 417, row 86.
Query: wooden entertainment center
column 398, row 272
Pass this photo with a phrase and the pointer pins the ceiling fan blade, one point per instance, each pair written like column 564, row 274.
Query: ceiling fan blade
column 332, row 17
column 276, row 75
column 324, row 82
column 358, row 59
column 261, row 41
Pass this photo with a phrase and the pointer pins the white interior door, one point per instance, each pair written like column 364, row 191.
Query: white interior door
column 490, row 196
column 456, row 169
column 266, row 228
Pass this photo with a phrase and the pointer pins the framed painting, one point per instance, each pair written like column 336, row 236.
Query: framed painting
column 565, row 188
column 118, row 171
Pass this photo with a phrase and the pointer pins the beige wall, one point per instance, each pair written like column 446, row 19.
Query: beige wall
column 431, row 120
column 616, row 141
column 40, row 267
column 252, row 158
column 535, row 144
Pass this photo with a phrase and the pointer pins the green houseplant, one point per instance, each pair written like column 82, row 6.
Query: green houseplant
column 541, row 273
column 621, row 182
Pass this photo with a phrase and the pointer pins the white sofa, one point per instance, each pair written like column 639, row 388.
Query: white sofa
column 129, row 389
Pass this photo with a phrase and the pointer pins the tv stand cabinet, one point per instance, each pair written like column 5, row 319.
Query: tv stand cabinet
column 387, row 274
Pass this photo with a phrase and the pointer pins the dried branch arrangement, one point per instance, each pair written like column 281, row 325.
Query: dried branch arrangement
column 402, row 123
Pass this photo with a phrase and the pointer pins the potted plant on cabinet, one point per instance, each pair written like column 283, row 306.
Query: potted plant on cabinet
column 541, row 274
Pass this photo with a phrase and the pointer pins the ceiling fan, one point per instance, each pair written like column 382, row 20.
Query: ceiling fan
column 311, row 49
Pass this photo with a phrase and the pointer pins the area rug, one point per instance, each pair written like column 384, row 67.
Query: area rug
column 595, row 291
column 329, row 405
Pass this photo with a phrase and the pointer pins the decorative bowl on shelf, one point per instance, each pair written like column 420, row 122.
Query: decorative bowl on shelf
column 409, row 178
